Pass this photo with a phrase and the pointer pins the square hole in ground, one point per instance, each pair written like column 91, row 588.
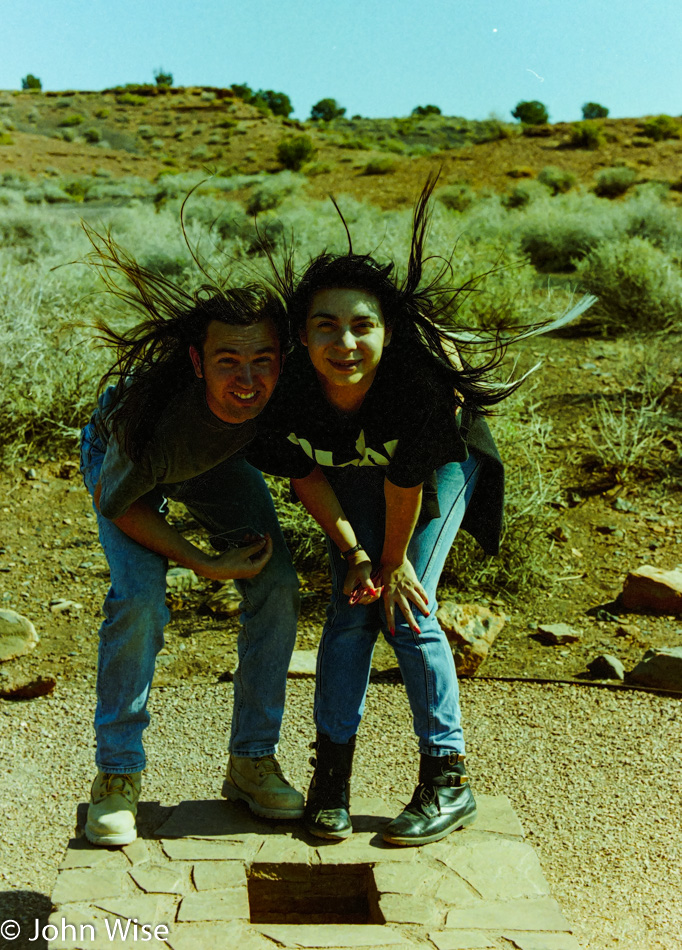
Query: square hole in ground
column 323, row 894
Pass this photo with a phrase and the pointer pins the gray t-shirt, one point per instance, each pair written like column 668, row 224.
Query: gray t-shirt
column 188, row 441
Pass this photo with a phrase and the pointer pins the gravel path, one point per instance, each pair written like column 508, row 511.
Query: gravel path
column 593, row 775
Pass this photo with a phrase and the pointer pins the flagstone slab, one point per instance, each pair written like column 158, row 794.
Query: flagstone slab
column 542, row 913
column 87, row 884
column 218, row 819
column 195, row 849
column 498, row 869
column 455, row 892
column 284, row 850
column 217, row 875
column 145, row 909
column 405, row 909
column 232, row 935
column 335, row 936
column 160, row 880
column 396, row 878
column 364, row 849
column 81, row 854
column 230, row 904
column 463, row 940
column 531, row 941
column 496, row 814
column 137, row 852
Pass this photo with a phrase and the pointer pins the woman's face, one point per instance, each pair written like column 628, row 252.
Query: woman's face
column 345, row 333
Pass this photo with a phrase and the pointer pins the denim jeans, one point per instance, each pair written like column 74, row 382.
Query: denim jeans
column 230, row 496
column 425, row 659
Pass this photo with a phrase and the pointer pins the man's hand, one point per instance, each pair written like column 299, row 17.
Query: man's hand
column 237, row 563
column 401, row 588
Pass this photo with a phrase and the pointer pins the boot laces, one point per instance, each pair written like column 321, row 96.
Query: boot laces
column 117, row 784
column 269, row 765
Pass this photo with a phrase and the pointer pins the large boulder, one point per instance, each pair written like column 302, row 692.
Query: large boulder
column 650, row 588
column 17, row 635
column 471, row 631
column 661, row 668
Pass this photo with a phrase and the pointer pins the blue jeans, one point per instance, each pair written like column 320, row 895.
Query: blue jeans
column 232, row 495
column 425, row 659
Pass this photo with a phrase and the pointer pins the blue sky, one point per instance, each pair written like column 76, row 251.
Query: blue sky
column 376, row 57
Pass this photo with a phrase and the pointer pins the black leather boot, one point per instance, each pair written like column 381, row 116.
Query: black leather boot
column 442, row 802
column 326, row 811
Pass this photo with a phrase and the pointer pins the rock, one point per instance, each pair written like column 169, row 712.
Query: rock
column 471, row 631
column 27, row 688
column 59, row 605
column 557, row 633
column 68, row 470
column 181, row 579
column 303, row 663
column 651, row 588
column 660, row 668
column 607, row 667
column 627, row 630
column 622, row 504
column 17, row 635
column 225, row 602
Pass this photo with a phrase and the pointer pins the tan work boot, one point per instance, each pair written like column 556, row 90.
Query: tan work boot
column 260, row 783
column 112, row 809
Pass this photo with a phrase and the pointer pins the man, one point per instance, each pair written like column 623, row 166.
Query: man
column 191, row 381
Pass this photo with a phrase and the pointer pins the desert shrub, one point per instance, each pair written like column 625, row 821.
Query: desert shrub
column 47, row 191
column 146, row 132
column 163, row 78
column 379, row 166
column 130, row 99
column 556, row 235
column 19, row 181
column 638, row 285
column 456, row 197
column 646, row 216
column 278, row 103
column 327, row 109
column 103, row 113
column 72, row 120
column 318, row 168
column 199, row 153
column 661, row 127
column 524, row 193
column 92, row 135
column 521, row 171
column 531, row 112
column 294, row 151
column 7, row 123
column 6, row 138
column 612, row 182
column 10, row 199
column 394, row 146
column 426, row 110
column 558, row 180
column 33, row 115
column 589, row 135
column 592, row 110
column 31, row 82
column 272, row 191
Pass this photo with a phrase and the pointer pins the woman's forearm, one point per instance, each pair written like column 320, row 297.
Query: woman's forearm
column 319, row 499
column 402, row 511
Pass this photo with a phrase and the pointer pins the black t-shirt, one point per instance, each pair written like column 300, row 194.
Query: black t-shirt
column 406, row 425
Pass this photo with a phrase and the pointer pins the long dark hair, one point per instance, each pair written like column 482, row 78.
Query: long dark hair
column 152, row 362
column 422, row 315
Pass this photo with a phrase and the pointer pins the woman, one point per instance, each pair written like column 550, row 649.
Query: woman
column 380, row 428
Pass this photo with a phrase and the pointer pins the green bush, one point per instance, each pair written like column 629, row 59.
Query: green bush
column 163, row 78
column 379, row 166
column 199, row 153
column 592, row 110
column 146, row 132
column 92, row 135
column 524, row 193
column 6, row 139
column 638, row 285
column 327, row 109
column 456, row 197
column 589, row 135
column 71, row 120
column 130, row 99
column 531, row 112
column 661, row 127
column 278, row 103
column 558, row 180
column 294, row 151
column 272, row 191
column 612, row 182
column 556, row 237
column 31, row 82
column 426, row 110
column 103, row 113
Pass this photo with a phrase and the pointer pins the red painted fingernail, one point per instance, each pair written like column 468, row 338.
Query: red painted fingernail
column 391, row 631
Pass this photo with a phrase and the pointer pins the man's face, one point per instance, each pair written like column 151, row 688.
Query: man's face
column 240, row 367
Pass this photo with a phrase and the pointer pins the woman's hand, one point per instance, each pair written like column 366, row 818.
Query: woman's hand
column 237, row 563
column 359, row 585
column 402, row 588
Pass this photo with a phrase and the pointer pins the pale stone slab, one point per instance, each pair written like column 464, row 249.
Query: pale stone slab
column 526, row 941
column 137, row 852
column 109, row 933
column 395, row 878
column 232, row 935
column 283, row 850
column 230, row 904
column 86, row 884
column 404, row 909
column 495, row 813
column 159, row 880
column 303, row 664
column 335, row 936
column 542, row 913
column 144, row 909
column 194, row 849
column 214, row 818
column 364, row 849
column 462, row 940
column 81, row 854
column 17, row 635
column 456, row 892
column 217, row 875
column 499, row 869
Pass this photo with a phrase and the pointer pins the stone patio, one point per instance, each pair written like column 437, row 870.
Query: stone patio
column 206, row 875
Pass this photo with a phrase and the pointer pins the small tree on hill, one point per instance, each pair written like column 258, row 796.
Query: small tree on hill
column 531, row 112
column 592, row 110
column 163, row 78
column 31, row 82
column 278, row 103
column 327, row 109
column 426, row 110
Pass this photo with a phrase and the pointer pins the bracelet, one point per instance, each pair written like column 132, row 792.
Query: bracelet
column 347, row 554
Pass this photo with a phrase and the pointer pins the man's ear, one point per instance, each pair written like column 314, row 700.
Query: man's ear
column 195, row 356
column 387, row 336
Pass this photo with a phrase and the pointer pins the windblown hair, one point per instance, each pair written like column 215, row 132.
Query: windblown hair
column 422, row 315
column 152, row 363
